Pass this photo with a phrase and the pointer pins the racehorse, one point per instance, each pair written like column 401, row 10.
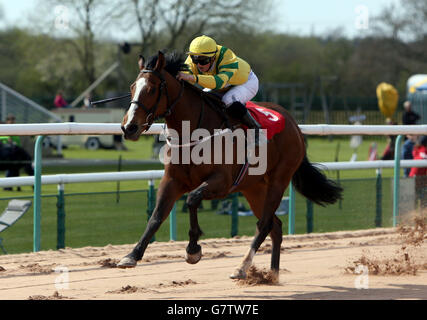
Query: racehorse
column 157, row 93
column 12, row 159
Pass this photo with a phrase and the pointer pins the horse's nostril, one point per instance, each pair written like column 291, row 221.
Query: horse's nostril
column 132, row 129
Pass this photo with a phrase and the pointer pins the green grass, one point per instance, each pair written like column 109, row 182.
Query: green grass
column 140, row 149
column 98, row 220
column 321, row 149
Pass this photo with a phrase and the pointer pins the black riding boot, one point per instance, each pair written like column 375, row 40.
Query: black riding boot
column 251, row 123
column 239, row 112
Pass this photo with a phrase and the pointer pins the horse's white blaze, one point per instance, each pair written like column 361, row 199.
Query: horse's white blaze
column 140, row 84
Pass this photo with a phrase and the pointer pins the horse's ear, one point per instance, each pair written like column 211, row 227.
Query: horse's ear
column 161, row 62
column 141, row 62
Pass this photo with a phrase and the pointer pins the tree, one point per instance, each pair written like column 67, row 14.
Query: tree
column 79, row 24
column 146, row 11
column 415, row 12
column 401, row 33
column 390, row 23
column 173, row 24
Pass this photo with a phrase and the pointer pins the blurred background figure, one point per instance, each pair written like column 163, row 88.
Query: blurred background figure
column 407, row 148
column 409, row 116
column 12, row 156
column 388, row 153
column 86, row 101
column 419, row 152
column 12, row 139
column 10, row 119
column 373, row 151
column 59, row 100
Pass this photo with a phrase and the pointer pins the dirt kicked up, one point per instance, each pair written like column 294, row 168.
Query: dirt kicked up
column 389, row 263
column 407, row 259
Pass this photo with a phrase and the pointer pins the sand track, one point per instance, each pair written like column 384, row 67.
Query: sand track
column 314, row 266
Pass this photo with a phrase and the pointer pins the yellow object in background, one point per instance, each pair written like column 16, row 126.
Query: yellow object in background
column 388, row 98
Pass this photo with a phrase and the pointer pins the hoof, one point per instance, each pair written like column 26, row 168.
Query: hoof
column 275, row 276
column 238, row 274
column 127, row 262
column 193, row 258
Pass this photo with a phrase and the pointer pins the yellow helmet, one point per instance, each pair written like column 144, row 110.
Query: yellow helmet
column 203, row 46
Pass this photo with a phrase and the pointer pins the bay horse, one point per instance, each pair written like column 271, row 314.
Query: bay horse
column 156, row 93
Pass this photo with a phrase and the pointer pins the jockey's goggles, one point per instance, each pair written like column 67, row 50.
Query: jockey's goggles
column 202, row 60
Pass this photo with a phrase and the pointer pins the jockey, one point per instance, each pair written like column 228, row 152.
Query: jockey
column 216, row 67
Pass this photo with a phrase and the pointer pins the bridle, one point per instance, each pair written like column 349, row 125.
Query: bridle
column 169, row 109
column 151, row 112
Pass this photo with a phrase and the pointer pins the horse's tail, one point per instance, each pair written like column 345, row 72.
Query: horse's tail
column 313, row 184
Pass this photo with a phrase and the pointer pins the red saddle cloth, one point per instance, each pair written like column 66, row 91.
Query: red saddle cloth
column 269, row 119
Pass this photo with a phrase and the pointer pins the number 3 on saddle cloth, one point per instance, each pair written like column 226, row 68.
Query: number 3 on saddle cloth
column 269, row 119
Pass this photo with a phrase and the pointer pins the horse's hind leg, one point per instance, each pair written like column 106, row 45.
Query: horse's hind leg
column 256, row 198
column 276, row 237
column 265, row 225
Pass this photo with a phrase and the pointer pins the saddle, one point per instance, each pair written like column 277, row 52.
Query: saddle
column 271, row 120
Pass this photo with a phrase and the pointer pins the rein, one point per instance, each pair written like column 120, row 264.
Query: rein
column 110, row 99
column 152, row 111
column 194, row 143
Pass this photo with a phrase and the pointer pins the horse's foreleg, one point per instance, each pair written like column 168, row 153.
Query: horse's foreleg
column 210, row 189
column 167, row 194
column 193, row 250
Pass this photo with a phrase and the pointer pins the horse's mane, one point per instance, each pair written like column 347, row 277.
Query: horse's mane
column 174, row 62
